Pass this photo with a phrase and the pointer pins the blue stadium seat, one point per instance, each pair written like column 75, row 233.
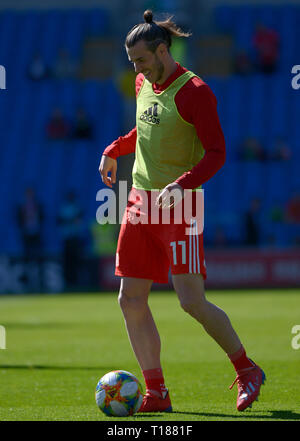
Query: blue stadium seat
column 251, row 182
column 277, row 182
column 233, row 121
column 270, row 17
column 256, row 106
column 294, row 129
column 294, row 176
column 75, row 28
column 7, row 30
column 98, row 22
column 288, row 26
column 78, row 171
column 30, row 26
column 225, row 17
column 244, row 27
column 52, row 25
column 277, row 113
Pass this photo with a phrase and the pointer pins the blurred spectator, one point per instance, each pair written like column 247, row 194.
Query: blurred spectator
column 179, row 50
column 281, row 151
column 104, row 244
column 252, row 150
column 37, row 69
column 58, row 128
column 64, row 66
column 104, row 239
column 30, row 220
column 266, row 44
column 70, row 221
column 127, row 88
column 126, row 83
column 293, row 209
column 252, row 230
column 242, row 63
column 277, row 213
column 83, row 127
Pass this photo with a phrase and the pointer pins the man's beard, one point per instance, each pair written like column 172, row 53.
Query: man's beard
column 159, row 67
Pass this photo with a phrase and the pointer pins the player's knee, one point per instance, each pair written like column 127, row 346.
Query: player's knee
column 124, row 300
column 131, row 304
column 195, row 309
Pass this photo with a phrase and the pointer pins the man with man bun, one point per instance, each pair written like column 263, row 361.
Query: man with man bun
column 179, row 145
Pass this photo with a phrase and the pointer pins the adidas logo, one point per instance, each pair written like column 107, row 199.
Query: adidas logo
column 151, row 115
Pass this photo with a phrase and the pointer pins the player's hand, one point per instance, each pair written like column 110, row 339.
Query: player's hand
column 170, row 196
column 108, row 165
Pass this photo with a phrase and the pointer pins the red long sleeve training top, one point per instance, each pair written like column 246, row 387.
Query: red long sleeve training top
column 197, row 105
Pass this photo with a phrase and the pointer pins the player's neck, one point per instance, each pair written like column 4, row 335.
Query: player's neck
column 170, row 68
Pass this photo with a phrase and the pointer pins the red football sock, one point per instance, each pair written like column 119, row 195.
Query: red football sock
column 154, row 380
column 240, row 360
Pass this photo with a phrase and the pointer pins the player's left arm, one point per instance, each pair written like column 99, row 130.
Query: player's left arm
column 198, row 106
column 204, row 116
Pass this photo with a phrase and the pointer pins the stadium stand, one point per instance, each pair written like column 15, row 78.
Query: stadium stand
column 29, row 158
column 255, row 105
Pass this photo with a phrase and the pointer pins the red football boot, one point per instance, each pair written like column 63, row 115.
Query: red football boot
column 154, row 403
column 248, row 382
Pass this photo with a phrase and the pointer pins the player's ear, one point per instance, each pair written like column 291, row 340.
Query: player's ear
column 162, row 49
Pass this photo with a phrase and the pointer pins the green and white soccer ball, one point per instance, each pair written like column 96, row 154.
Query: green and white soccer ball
column 119, row 393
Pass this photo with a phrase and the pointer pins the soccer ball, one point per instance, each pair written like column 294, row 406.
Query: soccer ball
column 119, row 393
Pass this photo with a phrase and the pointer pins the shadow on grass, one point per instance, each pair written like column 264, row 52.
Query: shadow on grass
column 37, row 324
column 150, row 415
column 274, row 414
column 65, row 368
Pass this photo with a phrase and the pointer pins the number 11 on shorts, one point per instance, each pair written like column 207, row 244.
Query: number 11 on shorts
column 182, row 244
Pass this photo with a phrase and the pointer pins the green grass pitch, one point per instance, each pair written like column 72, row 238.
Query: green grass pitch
column 58, row 346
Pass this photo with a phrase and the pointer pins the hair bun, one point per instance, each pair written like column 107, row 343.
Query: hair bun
column 148, row 16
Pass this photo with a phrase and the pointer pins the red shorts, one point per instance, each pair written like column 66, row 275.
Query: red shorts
column 147, row 250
